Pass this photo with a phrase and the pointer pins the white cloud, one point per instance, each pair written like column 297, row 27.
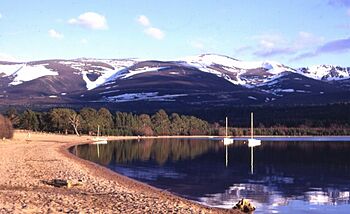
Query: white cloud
column 271, row 44
column 144, row 21
column 0, row 15
column 306, row 40
column 90, row 20
column 275, row 44
column 155, row 33
column 54, row 34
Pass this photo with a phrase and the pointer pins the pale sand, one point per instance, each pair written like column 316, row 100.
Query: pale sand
column 25, row 164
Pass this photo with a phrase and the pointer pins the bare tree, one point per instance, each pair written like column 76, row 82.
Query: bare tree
column 63, row 119
column 74, row 120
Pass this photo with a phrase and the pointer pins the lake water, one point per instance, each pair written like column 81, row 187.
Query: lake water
column 286, row 176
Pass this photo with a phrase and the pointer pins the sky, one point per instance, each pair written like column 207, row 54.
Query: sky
column 293, row 32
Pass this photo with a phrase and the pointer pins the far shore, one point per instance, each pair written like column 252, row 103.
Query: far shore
column 29, row 162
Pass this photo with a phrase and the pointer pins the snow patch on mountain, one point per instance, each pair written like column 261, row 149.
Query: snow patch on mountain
column 213, row 59
column 210, row 59
column 141, row 70
column 207, row 63
column 120, row 64
column 30, row 72
column 270, row 81
column 275, row 67
column 104, row 72
column 325, row 72
column 252, row 98
column 128, row 73
column 150, row 96
column 99, row 81
column 8, row 70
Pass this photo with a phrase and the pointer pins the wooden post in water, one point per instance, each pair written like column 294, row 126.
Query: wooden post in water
column 251, row 125
column 226, row 126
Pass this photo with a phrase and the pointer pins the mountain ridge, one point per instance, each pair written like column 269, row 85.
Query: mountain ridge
column 206, row 80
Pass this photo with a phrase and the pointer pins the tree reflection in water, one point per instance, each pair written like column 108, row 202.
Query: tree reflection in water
column 159, row 150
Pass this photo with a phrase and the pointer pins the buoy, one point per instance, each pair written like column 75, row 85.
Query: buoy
column 244, row 205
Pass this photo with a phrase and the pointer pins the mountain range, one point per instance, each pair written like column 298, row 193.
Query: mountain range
column 205, row 81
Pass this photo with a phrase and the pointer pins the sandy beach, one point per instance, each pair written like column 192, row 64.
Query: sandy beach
column 27, row 164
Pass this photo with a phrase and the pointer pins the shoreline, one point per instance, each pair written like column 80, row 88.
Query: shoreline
column 28, row 162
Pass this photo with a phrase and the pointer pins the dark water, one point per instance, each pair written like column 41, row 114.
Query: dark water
column 286, row 177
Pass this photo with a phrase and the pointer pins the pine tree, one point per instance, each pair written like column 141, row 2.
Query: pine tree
column 161, row 123
column 89, row 120
column 144, row 125
column 29, row 120
column 177, row 124
column 105, row 120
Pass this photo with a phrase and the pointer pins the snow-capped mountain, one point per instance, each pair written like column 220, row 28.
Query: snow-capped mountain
column 208, row 79
column 93, row 71
column 248, row 74
column 326, row 72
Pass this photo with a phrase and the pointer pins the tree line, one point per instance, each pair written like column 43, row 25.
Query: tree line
column 87, row 121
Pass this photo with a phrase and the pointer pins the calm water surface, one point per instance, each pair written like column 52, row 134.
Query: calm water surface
column 285, row 177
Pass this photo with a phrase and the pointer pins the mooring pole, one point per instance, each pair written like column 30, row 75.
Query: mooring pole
column 226, row 126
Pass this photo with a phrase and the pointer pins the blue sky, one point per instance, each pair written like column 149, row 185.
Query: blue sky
column 293, row 32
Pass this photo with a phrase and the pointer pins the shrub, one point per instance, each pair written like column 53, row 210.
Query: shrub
column 6, row 129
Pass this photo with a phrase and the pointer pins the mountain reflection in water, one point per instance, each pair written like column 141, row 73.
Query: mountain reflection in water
column 288, row 177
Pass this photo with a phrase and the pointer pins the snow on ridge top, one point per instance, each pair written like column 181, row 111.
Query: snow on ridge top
column 31, row 72
column 275, row 67
column 110, row 61
column 8, row 70
column 325, row 72
column 211, row 59
column 318, row 71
